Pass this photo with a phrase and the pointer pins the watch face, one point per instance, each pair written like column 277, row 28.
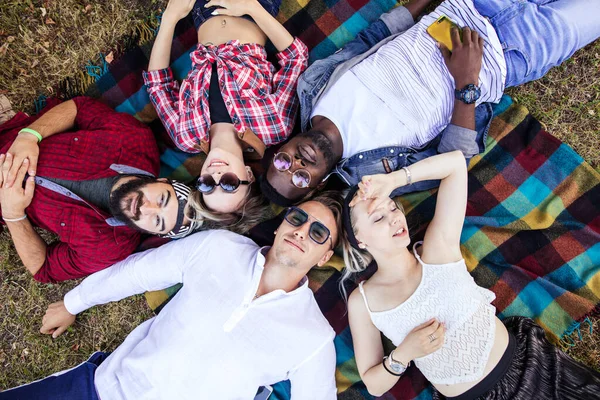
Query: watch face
column 468, row 96
column 396, row 367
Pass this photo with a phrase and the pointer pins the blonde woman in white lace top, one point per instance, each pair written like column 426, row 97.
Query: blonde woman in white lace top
column 425, row 301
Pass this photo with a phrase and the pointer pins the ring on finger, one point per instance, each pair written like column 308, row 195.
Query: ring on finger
column 431, row 338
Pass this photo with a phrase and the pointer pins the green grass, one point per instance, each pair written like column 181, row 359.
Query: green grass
column 567, row 102
column 37, row 56
column 43, row 42
column 25, row 354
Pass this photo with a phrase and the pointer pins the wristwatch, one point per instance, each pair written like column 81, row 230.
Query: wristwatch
column 396, row 366
column 469, row 94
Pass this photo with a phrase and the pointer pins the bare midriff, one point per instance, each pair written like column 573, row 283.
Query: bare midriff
column 498, row 349
column 221, row 29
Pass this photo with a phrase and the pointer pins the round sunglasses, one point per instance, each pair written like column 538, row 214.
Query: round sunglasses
column 318, row 232
column 300, row 177
column 229, row 182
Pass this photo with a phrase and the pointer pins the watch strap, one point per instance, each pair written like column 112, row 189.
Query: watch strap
column 398, row 362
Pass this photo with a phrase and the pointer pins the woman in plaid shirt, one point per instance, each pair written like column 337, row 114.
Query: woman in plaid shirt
column 232, row 99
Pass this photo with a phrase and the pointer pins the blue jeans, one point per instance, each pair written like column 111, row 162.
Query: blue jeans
column 200, row 14
column 537, row 35
column 74, row 384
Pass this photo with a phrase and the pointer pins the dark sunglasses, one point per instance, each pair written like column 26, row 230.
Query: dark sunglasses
column 318, row 232
column 229, row 182
column 300, row 177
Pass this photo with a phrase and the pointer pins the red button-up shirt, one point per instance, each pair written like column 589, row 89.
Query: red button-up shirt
column 102, row 137
column 256, row 97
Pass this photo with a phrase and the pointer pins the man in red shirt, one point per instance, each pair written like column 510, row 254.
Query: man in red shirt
column 86, row 173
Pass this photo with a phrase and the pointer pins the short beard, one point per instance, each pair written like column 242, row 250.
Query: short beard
column 323, row 144
column 117, row 195
column 284, row 259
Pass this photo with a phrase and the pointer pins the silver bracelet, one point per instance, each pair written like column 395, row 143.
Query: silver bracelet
column 15, row 219
column 408, row 176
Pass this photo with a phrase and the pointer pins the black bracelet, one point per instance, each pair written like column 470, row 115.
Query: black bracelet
column 388, row 370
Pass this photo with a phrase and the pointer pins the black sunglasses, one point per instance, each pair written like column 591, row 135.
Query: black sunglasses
column 229, row 182
column 318, row 232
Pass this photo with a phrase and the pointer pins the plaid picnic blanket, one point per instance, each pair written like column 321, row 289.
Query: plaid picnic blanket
column 531, row 235
column 532, row 232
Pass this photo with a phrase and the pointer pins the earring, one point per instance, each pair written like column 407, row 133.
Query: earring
column 275, row 233
column 361, row 245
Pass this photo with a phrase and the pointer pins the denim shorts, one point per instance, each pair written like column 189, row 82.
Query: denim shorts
column 200, row 14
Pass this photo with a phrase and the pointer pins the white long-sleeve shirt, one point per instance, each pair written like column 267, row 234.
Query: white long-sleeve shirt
column 212, row 340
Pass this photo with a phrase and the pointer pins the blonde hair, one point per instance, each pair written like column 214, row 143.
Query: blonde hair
column 356, row 260
column 253, row 211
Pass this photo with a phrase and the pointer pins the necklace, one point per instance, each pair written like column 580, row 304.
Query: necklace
column 223, row 23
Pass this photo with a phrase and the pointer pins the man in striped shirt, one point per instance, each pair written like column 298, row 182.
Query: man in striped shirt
column 392, row 97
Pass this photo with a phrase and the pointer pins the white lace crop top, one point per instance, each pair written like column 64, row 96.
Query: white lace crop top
column 448, row 293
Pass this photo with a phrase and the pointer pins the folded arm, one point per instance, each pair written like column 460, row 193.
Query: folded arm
column 164, row 90
column 58, row 119
column 292, row 63
column 442, row 238
column 369, row 351
column 13, row 202
column 29, row 245
column 464, row 64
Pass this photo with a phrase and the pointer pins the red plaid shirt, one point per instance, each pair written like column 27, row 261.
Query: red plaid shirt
column 256, row 97
column 102, row 137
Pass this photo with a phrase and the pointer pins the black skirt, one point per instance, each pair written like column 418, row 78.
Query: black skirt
column 538, row 370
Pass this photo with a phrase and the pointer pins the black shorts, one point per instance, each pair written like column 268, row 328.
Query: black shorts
column 200, row 14
column 534, row 369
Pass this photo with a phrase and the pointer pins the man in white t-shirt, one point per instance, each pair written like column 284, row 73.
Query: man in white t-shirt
column 391, row 98
column 244, row 318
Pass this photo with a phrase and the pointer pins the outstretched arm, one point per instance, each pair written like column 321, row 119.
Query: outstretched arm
column 150, row 270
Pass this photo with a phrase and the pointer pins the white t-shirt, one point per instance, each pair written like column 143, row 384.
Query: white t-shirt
column 364, row 121
column 407, row 83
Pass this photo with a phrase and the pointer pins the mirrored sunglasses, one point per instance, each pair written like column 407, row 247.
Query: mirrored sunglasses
column 229, row 182
column 300, row 177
